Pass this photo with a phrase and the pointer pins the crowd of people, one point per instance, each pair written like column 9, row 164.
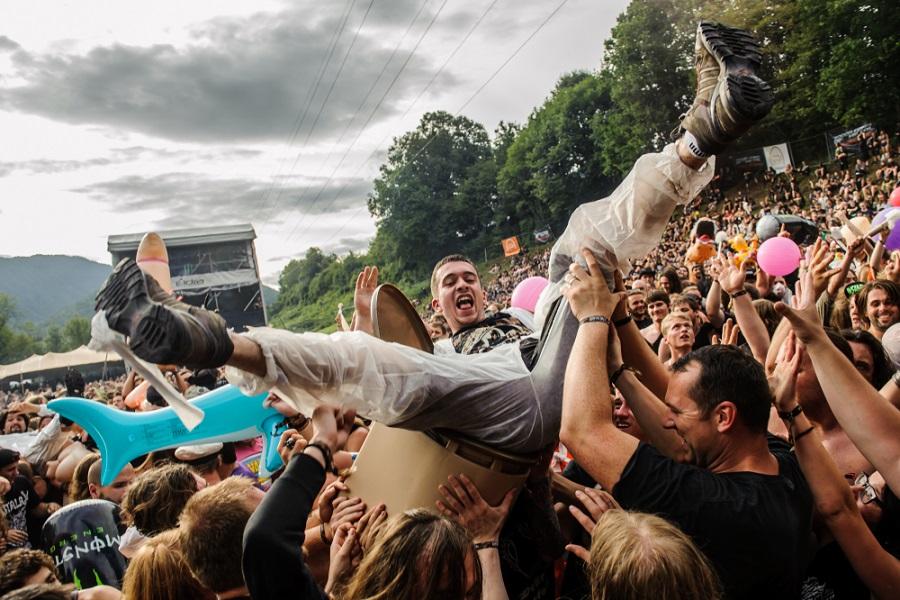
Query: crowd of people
column 695, row 428
column 742, row 386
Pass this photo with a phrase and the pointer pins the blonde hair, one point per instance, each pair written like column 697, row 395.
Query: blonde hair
column 159, row 571
column 417, row 554
column 670, row 319
column 212, row 528
column 636, row 556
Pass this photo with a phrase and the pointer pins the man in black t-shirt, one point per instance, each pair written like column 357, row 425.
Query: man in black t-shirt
column 21, row 502
column 711, row 469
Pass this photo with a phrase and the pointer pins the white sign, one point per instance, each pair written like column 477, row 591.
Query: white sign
column 222, row 280
column 778, row 157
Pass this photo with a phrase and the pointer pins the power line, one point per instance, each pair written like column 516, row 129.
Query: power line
column 465, row 104
column 377, row 106
column 298, row 121
column 365, row 99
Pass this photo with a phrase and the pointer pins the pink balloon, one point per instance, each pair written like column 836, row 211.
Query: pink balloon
column 895, row 197
column 526, row 294
column 778, row 256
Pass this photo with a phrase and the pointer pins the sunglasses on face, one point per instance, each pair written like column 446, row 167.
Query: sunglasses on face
column 869, row 494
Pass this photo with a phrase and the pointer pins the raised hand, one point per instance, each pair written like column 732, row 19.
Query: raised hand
column 587, row 291
column 730, row 277
column 819, row 259
column 783, row 380
column 804, row 317
column 730, row 332
column 463, row 503
column 596, row 502
column 332, row 425
column 366, row 282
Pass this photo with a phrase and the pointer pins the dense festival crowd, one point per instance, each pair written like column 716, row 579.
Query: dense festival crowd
column 695, row 428
column 203, row 522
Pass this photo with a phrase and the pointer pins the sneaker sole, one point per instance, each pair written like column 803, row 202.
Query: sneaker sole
column 156, row 336
column 131, row 312
column 736, row 50
column 744, row 98
column 123, row 296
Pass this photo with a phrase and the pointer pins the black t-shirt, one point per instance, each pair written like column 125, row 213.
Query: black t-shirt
column 755, row 528
column 703, row 337
column 17, row 503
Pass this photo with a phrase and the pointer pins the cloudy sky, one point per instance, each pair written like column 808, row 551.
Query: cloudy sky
column 120, row 116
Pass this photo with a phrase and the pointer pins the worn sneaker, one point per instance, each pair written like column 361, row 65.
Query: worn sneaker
column 161, row 330
column 730, row 95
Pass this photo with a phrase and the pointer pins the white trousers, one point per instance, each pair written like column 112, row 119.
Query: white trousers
column 491, row 397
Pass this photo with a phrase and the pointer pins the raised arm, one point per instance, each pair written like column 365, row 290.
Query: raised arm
column 635, row 350
column 834, row 500
column 587, row 426
column 366, row 282
column 732, row 279
column 870, row 421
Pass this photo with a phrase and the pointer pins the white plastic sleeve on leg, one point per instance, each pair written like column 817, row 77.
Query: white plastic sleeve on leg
column 628, row 223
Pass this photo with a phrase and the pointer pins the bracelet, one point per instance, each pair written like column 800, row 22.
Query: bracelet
column 326, row 455
column 618, row 373
column 623, row 321
column 790, row 415
column 802, row 433
column 487, row 545
column 595, row 319
column 738, row 294
column 322, row 535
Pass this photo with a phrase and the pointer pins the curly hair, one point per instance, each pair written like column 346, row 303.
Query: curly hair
column 155, row 498
column 18, row 565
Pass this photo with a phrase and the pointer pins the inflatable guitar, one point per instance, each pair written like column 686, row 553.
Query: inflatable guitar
column 123, row 436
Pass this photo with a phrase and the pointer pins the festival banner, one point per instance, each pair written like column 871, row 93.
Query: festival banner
column 778, row 157
column 510, row 246
column 542, row 236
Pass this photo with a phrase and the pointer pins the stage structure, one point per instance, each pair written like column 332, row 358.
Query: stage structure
column 213, row 267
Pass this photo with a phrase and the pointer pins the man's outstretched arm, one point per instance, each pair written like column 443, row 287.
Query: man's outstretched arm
column 587, row 426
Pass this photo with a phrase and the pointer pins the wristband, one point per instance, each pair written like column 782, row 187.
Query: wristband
column 618, row 373
column 326, row 455
column 487, row 545
column 802, row 433
column 623, row 321
column 595, row 319
column 790, row 415
column 738, row 294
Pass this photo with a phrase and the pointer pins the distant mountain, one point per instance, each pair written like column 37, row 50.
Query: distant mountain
column 53, row 289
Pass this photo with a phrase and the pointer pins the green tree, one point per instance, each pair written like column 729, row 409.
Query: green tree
column 76, row 332
column 53, row 342
column 552, row 165
column 648, row 68
column 415, row 201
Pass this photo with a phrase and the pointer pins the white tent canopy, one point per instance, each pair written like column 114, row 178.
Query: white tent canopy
column 57, row 360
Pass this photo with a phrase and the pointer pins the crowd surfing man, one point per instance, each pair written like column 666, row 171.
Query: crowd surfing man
column 408, row 388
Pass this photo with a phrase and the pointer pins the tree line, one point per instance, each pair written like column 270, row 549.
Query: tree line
column 450, row 186
column 26, row 339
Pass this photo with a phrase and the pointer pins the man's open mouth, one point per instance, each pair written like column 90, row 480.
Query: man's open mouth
column 465, row 301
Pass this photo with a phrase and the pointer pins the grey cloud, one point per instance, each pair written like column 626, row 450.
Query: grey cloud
column 240, row 79
column 123, row 155
column 191, row 199
column 8, row 45
column 345, row 245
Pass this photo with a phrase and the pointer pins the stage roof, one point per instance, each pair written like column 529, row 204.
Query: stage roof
column 185, row 237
